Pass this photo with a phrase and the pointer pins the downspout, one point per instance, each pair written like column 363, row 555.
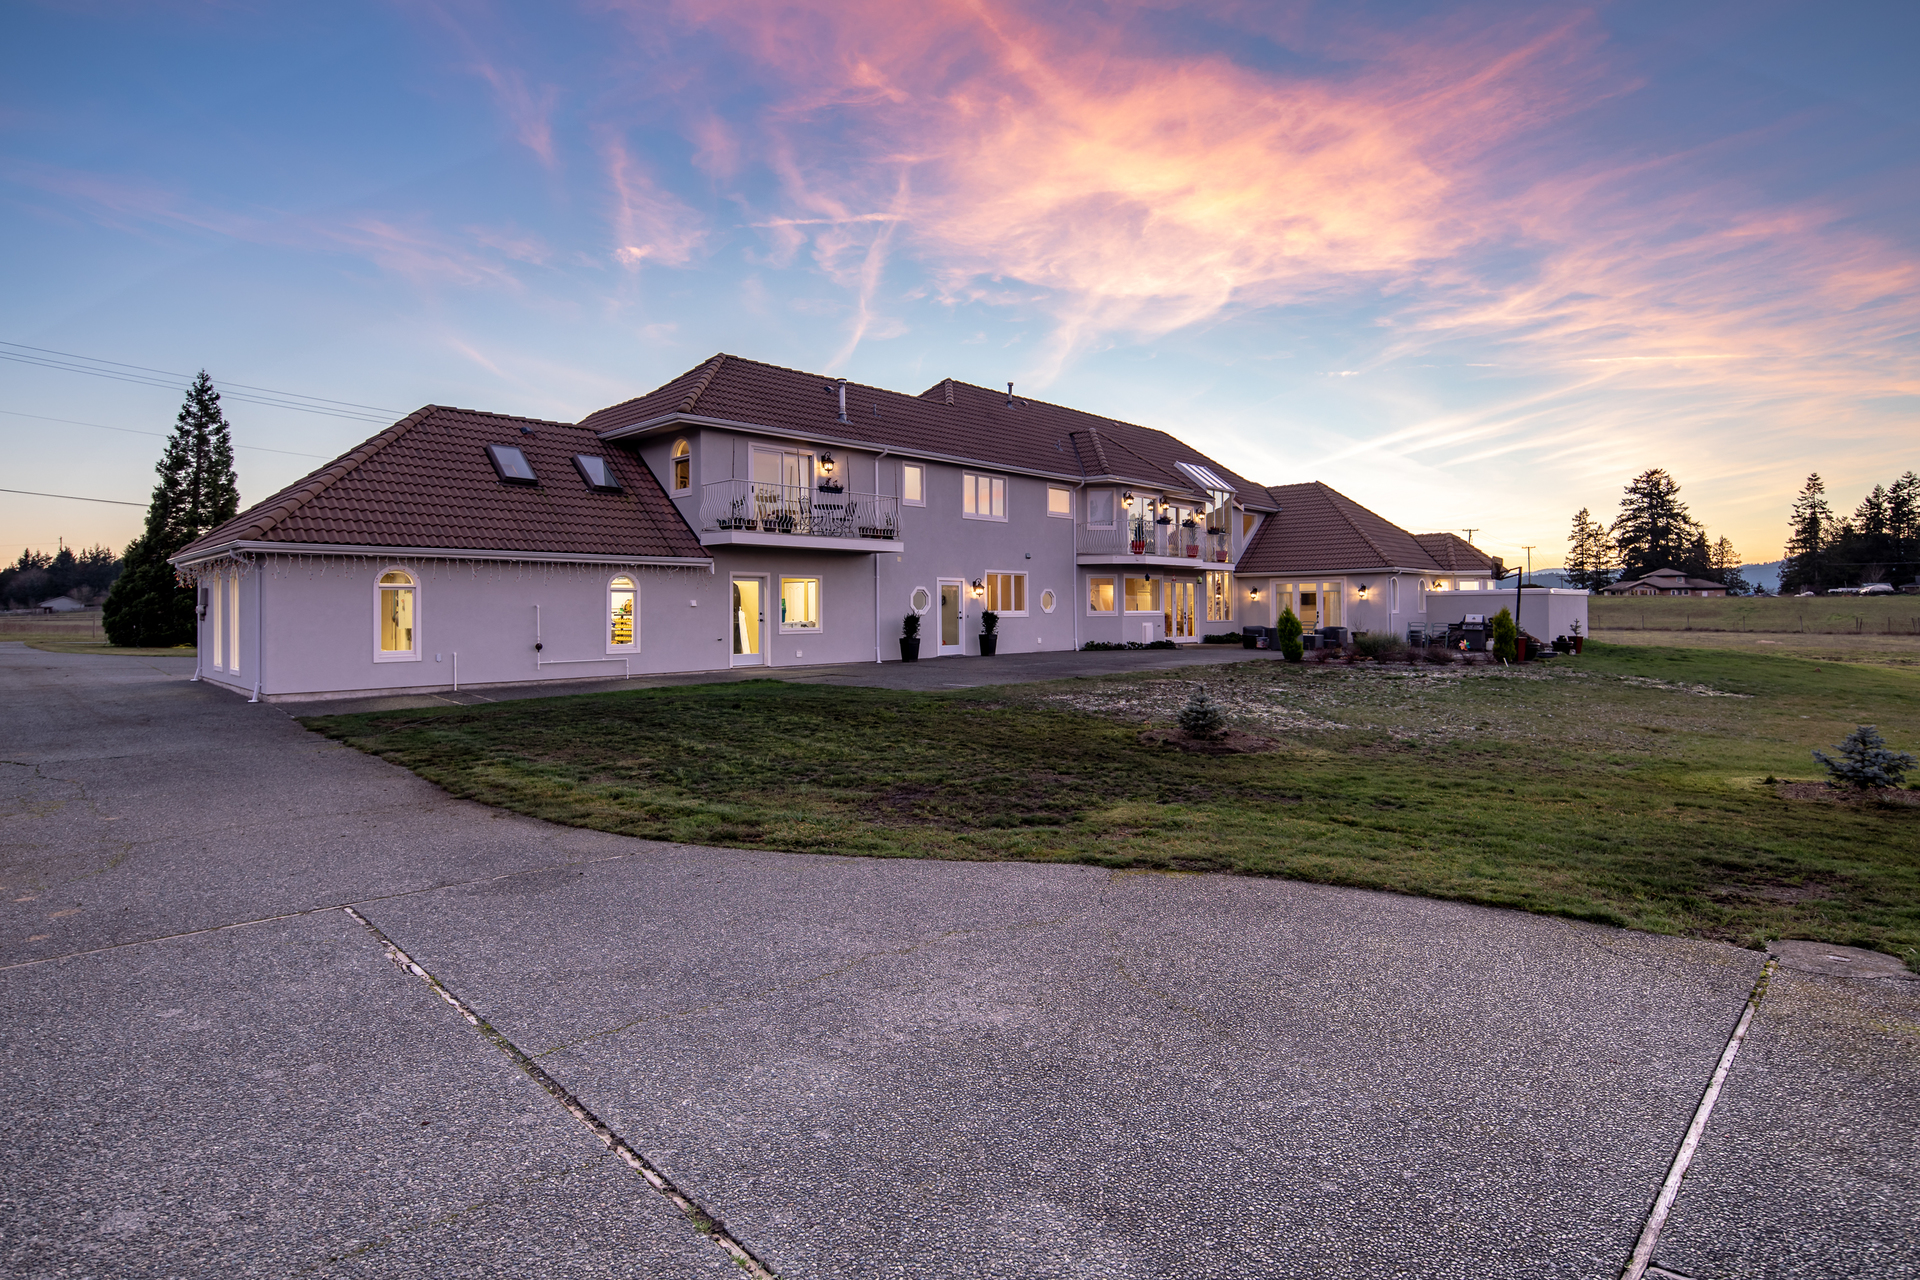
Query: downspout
column 259, row 626
column 1079, row 514
column 877, row 641
column 200, row 626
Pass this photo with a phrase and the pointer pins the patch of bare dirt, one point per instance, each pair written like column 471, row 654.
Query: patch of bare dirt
column 1902, row 796
column 1233, row 742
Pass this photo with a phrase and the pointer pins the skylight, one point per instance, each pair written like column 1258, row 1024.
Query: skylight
column 512, row 464
column 1204, row 476
column 595, row 471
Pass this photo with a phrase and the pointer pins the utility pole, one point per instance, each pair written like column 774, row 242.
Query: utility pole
column 1470, row 533
column 1518, row 592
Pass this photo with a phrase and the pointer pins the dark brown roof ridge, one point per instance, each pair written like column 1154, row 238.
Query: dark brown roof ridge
column 706, row 379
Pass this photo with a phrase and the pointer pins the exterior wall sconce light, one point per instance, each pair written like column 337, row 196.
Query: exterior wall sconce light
column 1362, row 588
column 979, row 588
column 826, row 464
column 1127, row 496
column 1253, row 593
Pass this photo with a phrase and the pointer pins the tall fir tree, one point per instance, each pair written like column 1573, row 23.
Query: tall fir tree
column 1590, row 557
column 1903, row 525
column 1811, row 529
column 1655, row 531
column 197, row 491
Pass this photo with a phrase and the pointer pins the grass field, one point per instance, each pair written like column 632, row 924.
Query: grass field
column 71, row 633
column 1821, row 615
column 1889, row 650
column 1629, row 786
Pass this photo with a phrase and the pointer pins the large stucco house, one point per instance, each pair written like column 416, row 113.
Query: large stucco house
column 748, row 515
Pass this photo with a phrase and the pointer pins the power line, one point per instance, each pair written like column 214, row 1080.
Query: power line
column 141, row 375
column 135, row 431
column 33, row 493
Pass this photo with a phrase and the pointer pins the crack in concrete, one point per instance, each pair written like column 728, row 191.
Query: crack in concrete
column 702, row 1221
column 310, row 911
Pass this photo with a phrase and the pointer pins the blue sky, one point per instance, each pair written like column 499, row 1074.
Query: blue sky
column 1475, row 265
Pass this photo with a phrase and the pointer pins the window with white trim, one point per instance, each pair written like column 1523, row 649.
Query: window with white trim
column 983, row 497
column 1099, row 595
column 1100, row 508
column 682, row 466
column 623, row 614
column 1393, row 595
column 1046, row 600
column 1059, row 502
column 217, row 619
column 233, row 623
column 1140, row 595
column 1219, row 597
column 913, row 484
column 799, row 604
column 397, row 636
column 1007, row 594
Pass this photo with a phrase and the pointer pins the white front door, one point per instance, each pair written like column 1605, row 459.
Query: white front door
column 953, row 617
column 749, row 621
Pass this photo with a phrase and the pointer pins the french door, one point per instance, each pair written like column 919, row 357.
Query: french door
column 953, row 617
column 749, row 621
column 1179, row 605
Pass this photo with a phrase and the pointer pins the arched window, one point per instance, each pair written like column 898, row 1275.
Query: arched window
column 399, row 617
column 622, row 615
column 682, row 466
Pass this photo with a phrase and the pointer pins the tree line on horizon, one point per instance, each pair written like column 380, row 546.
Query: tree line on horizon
column 1654, row 530
column 37, row 576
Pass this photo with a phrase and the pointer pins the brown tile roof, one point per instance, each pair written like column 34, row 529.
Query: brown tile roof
column 1454, row 553
column 426, row 481
column 950, row 419
column 1320, row 530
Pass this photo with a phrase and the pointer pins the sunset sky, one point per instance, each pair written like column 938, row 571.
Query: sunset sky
column 1475, row 265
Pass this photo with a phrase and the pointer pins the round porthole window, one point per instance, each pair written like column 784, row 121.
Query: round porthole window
column 1046, row 601
column 921, row 600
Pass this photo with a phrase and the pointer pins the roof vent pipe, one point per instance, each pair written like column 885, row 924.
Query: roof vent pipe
column 842, row 388
column 1009, row 393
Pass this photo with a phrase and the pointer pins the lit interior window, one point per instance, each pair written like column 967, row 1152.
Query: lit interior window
column 596, row 472
column 1006, row 592
column 799, row 604
column 620, row 598
column 396, row 612
column 1059, row 502
column 511, row 464
column 682, row 466
column 1099, row 595
column 913, row 483
column 1046, row 601
column 1139, row 595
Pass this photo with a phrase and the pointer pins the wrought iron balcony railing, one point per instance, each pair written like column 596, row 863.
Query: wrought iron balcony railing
column 754, row 506
column 1147, row 538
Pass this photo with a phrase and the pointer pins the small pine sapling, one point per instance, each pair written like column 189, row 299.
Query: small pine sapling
column 910, row 626
column 989, row 622
column 1288, row 633
column 1506, row 637
column 1200, row 718
column 1864, row 760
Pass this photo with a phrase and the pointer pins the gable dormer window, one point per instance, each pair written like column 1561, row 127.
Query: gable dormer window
column 511, row 464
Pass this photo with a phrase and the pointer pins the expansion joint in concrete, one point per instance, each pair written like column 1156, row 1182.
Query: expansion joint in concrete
column 1641, row 1263
column 703, row 1221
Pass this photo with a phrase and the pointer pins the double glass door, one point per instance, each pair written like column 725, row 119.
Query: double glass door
column 1178, row 605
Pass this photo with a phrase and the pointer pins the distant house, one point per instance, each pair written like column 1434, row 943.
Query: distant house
column 59, row 604
column 1665, row 582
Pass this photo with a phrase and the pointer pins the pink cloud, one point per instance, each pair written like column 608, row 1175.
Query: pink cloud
column 650, row 224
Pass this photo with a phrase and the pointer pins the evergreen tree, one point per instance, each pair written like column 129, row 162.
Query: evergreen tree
column 1590, row 559
column 1506, row 637
column 1811, row 530
column 1903, row 526
column 1725, row 563
column 1869, row 548
column 197, row 490
column 1655, row 531
column 1288, row 633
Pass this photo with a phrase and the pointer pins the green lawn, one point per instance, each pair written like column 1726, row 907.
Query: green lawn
column 1628, row 786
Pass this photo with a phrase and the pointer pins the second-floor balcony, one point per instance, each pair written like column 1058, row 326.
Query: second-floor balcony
column 760, row 513
column 1148, row 538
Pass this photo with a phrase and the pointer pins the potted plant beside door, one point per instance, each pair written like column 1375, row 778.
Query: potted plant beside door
column 989, row 637
column 910, row 638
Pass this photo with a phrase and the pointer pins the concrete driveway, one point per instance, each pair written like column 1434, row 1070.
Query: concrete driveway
column 845, row 1067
